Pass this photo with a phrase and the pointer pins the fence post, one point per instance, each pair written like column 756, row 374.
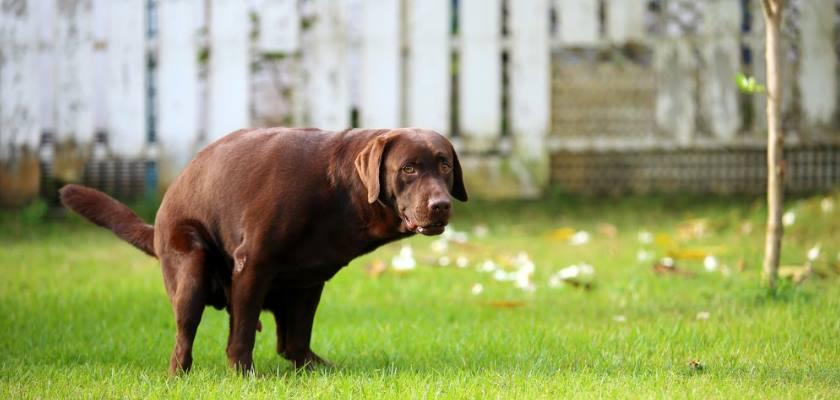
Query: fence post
column 177, row 86
column 19, row 117
column 229, row 68
column 74, row 94
column 429, row 77
column 480, row 73
column 325, row 63
column 579, row 23
column 676, row 110
column 381, row 64
column 720, row 49
column 530, row 87
column 126, row 78
column 818, row 63
column 625, row 20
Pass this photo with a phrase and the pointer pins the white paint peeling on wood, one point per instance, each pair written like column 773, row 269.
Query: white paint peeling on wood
column 818, row 63
column 177, row 84
column 625, row 20
column 479, row 73
column 429, row 69
column 229, row 68
column 676, row 109
column 328, row 89
column 579, row 23
column 721, row 63
column 530, row 84
column 381, row 64
column 126, row 78
column 279, row 26
column 74, row 77
column 19, row 79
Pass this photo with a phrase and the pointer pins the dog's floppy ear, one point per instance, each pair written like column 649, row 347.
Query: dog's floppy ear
column 368, row 165
column 458, row 190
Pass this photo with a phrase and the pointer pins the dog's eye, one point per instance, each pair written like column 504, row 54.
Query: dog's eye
column 409, row 169
column 445, row 167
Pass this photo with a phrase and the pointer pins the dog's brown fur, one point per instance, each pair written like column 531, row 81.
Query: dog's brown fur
column 262, row 218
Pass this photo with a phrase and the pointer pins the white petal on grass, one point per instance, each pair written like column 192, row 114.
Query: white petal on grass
column 827, row 205
column 789, row 218
column 481, row 230
column 580, row 238
column 503, row 276
column 668, row 262
column 645, row 237
column 462, row 262
column 644, row 255
column 703, row 315
column 554, row 281
column 404, row 260
column 814, row 253
column 444, row 261
column 440, row 246
column 710, row 263
column 487, row 266
column 477, row 289
column 619, row 318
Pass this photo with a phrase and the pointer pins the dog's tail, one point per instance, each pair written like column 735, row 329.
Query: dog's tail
column 102, row 210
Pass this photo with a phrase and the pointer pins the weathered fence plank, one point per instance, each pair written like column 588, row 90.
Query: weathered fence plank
column 721, row 57
column 328, row 89
column 429, row 69
column 279, row 27
column 177, row 89
column 579, row 23
column 74, row 93
column 381, row 64
column 625, row 20
column 479, row 74
column 530, row 77
column 126, row 78
column 818, row 63
column 229, row 69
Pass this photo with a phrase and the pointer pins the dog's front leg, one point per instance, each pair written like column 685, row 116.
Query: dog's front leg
column 297, row 313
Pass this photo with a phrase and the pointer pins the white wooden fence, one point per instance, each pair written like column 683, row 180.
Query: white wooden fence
column 161, row 78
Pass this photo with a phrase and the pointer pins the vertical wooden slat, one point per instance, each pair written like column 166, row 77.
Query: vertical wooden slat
column 279, row 27
column 625, row 20
column 429, row 80
column 328, row 95
column 530, row 74
column 381, row 64
column 229, row 69
column 676, row 109
column 479, row 75
column 579, row 23
column 720, row 50
column 126, row 77
column 19, row 80
column 74, row 92
column 818, row 63
column 177, row 85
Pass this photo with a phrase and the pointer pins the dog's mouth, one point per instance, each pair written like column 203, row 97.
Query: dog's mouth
column 434, row 228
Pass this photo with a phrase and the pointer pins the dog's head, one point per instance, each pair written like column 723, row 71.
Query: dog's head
column 413, row 171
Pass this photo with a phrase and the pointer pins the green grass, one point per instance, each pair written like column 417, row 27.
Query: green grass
column 85, row 315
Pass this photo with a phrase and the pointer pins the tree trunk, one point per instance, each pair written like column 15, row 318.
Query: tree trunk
column 775, row 144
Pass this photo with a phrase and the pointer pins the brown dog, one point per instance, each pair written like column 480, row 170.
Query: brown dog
column 262, row 218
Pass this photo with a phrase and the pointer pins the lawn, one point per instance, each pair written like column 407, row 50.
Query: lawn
column 83, row 314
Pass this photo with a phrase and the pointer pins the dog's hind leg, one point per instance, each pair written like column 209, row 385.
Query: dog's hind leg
column 191, row 290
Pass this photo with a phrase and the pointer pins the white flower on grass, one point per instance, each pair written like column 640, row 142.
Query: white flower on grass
column 477, row 289
column 789, row 218
column 554, row 281
column 487, row 266
column 827, row 205
column 619, row 318
column 453, row 235
column 443, row 261
column 404, row 260
column 580, row 273
column 580, row 238
column 644, row 255
column 703, row 315
column 503, row 276
column 481, row 230
column 440, row 246
column 710, row 263
column 814, row 253
column 645, row 237
column 462, row 262
column 668, row 262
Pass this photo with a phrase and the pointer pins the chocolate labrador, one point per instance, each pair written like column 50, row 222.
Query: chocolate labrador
column 262, row 218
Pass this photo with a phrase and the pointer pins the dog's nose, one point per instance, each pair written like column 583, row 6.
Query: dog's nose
column 439, row 205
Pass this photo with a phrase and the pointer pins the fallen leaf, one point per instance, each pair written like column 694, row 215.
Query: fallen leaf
column 797, row 274
column 696, row 366
column 375, row 268
column 608, row 230
column 506, row 304
column 562, row 234
column 664, row 241
column 667, row 266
